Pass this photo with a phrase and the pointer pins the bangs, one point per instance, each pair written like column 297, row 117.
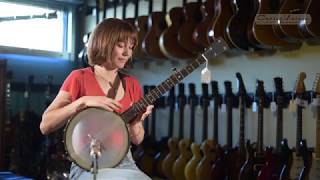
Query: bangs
column 128, row 36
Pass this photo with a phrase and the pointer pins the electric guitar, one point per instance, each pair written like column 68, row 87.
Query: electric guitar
column 184, row 145
column 190, row 169
column 315, row 168
column 208, row 146
column 159, row 157
column 300, row 100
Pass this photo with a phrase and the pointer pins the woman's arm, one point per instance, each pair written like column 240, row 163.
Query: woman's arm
column 62, row 109
column 136, row 129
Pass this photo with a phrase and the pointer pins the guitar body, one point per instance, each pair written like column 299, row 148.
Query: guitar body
column 311, row 32
column 297, row 165
column 272, row 168
column 289, row 33
column 219, row 30
column 150, row 43
column 142, row 26
column 169, row 44
column 286, row 161
column 264, row 34
column 237, row 28
column 239, row 159
column 167, row 164
column 193, row 18
column 209, row 150
column 180, row 164
column 307, row 161
column 314, row 172
column 160, row 156
column 190, row 170
column 210, row 12
column 246, row 171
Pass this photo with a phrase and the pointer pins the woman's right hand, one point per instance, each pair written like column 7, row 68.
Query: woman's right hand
column 102, row 102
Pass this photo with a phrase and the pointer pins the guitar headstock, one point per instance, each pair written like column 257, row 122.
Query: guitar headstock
column 241, row 88
column 181, row 95
column 278, row 86
column 300, row 87
column 205, row 94
column 228, row 88
column 193, row 98
column 171, row 99
column 217, row 48
column 316, row 84
column 260, row 93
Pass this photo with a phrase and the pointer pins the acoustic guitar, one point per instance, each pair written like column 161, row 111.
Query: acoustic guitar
column 157, row 25
column 289, row 32
column 193, row 18
column 202, row 34
column 314, row 172
column 190, row 169
column 226, row 13
column 300, row 99
column 263, row 34
column 208, row 147
column 141, row 24
column 237, row 28
column 311, row 32
column 169, row 43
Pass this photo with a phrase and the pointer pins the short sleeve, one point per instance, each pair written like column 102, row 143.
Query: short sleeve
column 72, row 85
column 137, row 91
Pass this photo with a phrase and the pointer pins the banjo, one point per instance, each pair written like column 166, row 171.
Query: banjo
column 95, row 138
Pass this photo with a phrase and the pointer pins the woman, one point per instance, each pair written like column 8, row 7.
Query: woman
column 101, row 85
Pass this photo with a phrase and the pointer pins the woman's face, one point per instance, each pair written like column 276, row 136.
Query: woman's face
column 121, row 54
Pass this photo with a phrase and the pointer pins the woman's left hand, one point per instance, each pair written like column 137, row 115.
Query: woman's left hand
column 144, row 115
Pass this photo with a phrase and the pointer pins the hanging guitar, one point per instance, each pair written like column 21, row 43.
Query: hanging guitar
column 314, row 172
column 169, row 43
column 190, row 169
column 300, row 101
column 208, row 146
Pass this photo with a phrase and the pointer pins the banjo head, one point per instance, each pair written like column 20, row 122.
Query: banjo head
column 106, row 127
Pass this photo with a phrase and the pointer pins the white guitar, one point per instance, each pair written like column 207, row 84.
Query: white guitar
column 315, row 167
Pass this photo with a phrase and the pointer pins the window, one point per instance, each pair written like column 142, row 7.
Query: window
column 34, row 28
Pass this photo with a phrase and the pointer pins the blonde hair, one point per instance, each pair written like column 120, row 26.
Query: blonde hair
column 105, row 36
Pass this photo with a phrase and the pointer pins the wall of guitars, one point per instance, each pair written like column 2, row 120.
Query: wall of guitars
column 264, row 88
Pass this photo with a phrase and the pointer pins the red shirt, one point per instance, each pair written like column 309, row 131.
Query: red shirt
column 82, row 82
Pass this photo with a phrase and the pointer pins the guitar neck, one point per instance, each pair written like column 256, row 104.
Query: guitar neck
column 299, row 128
column 317, row 147
column 216, row 120
column 260, row 128
column 242, row 107
column 279, row 133
column 229, row 121
column 205, row 119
